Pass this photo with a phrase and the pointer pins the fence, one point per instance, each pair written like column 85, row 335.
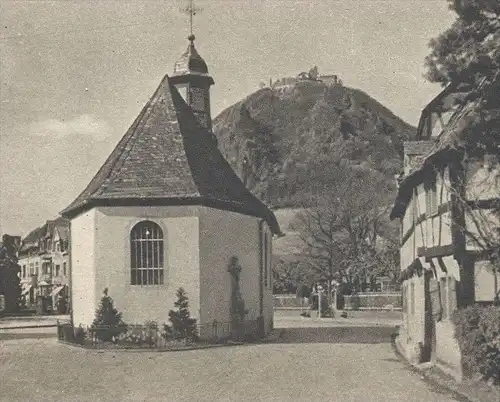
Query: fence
column 154, row 336
column 374, row 301
column 287, row 301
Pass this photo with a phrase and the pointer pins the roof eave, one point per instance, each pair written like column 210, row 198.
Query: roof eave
column 269, row 216
column 415, row 178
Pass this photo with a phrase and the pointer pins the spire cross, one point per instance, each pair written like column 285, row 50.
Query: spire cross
column 191, row 10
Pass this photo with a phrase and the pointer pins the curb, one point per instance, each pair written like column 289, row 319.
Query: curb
column 464, row 392
column 30, row 326
column 273, row 337
column 146, row 350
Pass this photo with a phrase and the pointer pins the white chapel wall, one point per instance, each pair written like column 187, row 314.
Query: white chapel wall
column 139, row 303
column 83, row 275
column 224, row 235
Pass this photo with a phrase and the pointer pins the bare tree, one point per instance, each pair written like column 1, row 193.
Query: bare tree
column 288, row 275
column 340, row 228
column 478, row 210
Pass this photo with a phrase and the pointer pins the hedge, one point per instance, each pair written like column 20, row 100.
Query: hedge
column 477, row 330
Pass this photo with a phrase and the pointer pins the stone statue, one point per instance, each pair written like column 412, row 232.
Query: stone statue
column 238, row 310
column 235, row 270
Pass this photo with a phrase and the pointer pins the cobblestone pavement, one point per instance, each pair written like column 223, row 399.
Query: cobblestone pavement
column 334, row 363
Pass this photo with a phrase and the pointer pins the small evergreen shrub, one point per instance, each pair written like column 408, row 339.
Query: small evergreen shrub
column 477, row 330
column 182, row 326
column 108, row 324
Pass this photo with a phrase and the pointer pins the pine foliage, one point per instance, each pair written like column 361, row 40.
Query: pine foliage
column 108, row 321
column 182, row 327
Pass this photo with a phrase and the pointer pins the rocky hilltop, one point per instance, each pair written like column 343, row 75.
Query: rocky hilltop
column 285, row 140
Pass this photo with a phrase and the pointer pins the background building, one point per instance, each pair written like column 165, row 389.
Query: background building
column 44, row 261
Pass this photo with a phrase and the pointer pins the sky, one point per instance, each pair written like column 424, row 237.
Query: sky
column 75, row 74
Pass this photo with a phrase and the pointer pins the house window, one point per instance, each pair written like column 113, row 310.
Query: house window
column 64, row 269
column 24, row 271
column 36, row 268
column 32, row 269
column 431, row 204
column 146, row 254
column 58, row 268
column 58, row 247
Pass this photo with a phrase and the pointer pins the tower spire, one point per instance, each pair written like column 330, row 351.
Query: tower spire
column 191, row 10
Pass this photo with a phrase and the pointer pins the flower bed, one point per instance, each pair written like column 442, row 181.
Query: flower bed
column 151, row 336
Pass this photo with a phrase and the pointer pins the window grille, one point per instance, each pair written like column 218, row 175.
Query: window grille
column 146, row 254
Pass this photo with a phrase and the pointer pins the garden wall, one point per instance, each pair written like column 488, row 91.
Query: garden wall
column 374, row 301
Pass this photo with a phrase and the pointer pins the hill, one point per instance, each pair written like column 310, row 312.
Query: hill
column 286, row 141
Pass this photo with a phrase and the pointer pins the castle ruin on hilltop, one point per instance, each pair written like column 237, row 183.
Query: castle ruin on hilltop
column 312, row 75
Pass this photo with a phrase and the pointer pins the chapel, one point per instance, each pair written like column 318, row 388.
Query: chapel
column 165, row 211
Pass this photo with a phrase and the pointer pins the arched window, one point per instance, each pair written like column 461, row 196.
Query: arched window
column 146, row 254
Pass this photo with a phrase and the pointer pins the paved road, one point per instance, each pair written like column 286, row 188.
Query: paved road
column 351, row 363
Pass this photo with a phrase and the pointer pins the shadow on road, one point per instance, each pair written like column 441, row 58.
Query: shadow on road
column 366, row 335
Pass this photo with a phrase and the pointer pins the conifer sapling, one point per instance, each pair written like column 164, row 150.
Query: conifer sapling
column 108, row 320
column 182, row 325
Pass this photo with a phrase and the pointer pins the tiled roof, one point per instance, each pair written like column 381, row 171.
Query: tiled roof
column 33, row 237
column 56, row 223
column 167, row 157
column 454, row 136
column 190, row 62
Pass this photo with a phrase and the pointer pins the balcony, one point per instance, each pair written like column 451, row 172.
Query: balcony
column 45, row 277
column 60, row 280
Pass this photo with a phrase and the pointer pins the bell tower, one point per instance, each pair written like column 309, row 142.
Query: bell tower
column 191, row 77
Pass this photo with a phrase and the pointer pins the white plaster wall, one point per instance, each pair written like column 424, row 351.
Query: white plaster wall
column 486, row 286
column 224, row 235
column 420, row 200
column 420, row 235
column 181, row 265
column 409, row 216
column 447, row 348
column 416, row 318
column 83, row 280
column 407, row 252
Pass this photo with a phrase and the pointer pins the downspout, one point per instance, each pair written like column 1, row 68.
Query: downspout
column 261, row 269
column 70, row 280
column 262, row 330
